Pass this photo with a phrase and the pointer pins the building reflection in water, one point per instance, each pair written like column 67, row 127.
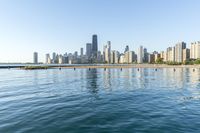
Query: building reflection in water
column 91, row 76
column 173, row 78
column 55, row 75
column 194, row 77
column 127, row 76
column 36, row 79
column 107, row 78
column 139, row 79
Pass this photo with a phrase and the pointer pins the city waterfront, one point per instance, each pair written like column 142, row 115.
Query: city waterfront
column 98, row 100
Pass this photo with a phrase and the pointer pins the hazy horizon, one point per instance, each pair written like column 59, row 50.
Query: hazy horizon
column 47, row 26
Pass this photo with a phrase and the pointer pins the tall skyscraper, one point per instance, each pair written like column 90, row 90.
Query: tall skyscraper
column 54, row 57
column 81, row 51
column 99, row 56
column 195, row 50
column 107, row 52
column 170, row 54
column 126, row 49
column 140, row 55
column 75, row 55
column 89, row 50
column 145, row 55
column 121, row 59
column 60, row 59
column 116, row 57
column 48, row 59
column 131, row 57
column 126, row 57
column 94, row 46
column 112, row 57
column 186, row 55
column 179, row 51
column 35, row 58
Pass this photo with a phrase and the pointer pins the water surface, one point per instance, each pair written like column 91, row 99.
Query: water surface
column 52, row 101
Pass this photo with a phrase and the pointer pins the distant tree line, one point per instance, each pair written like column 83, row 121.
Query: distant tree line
column 188, row 62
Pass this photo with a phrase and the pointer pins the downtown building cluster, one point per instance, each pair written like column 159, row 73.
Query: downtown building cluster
column 176, row 54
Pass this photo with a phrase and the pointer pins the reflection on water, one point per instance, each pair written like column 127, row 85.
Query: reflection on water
column 98, row 100
column 91, row 76
column 107, row 78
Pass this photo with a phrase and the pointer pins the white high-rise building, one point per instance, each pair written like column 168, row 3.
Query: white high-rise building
column 126, row 57
column 140, row 54
column 107, row 52
column 48, row 59
column 170, row 54
column 112, row 57
column 195, row 50
column 116, row 57
column 121, row 59
column 54, row 57
column 35, row 58
column 60, row 59
column 131, row 57
column 179, row 51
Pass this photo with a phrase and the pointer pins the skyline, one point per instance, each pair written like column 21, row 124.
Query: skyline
column 66, row 26
column 178, row 54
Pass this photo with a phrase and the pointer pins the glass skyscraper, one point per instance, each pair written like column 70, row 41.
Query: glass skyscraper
column 94, row 46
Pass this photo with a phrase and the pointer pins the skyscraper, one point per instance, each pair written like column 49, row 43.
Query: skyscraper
column 107, row 52
column 126, row 49
column 186, row 55
column 195, row 50
column 116, row 58
column 94, row 46
column 140, row 55
column 81, row 51
column 131, row 57
column 60, row 59
column 35, row 58
column 170, row 54
column 99, row 57
column 48, row 59
column 126, row 57
column 89, row 50
column 75, row 55
column 121, row 59
column 145, row 59
column 54, row 57
column 112, row 57
column 179, row 51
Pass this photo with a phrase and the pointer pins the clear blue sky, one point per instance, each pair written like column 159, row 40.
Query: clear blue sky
column 61, row 26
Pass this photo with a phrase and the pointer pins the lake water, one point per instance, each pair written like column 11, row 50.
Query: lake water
column 96, row 101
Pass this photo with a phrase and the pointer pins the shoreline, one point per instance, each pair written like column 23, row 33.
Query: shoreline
column 130, row 66
column 87, row 66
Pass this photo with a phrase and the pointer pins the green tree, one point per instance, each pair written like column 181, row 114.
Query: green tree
column 159, row 61
column 197, row 61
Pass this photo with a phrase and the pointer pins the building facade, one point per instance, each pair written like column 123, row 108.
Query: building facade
column 89, row 50
column 195, row 50
column 48, row 59
column 179, row 51
column 140, row 55
column 94, row 46
column 186, row 55
column 107, row 52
